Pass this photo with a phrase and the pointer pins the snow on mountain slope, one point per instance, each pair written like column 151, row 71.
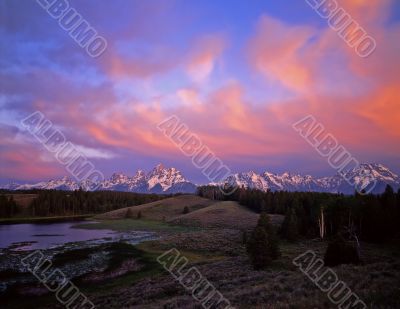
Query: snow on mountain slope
column 249, row 180
column 165, row 177
column 121, row 182
column 64, row 183
column 159, row 180
column 369, row 173
column 363, row 177
column 163, row 180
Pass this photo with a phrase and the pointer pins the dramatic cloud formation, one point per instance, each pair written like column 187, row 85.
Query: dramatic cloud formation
column 238, row 84
column 204, row 55
column 279, row 50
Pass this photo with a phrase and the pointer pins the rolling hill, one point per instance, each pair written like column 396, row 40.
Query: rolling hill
column 162, row 210
column 202, row 213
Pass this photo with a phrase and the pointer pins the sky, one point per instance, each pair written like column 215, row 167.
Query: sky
column 238, row 73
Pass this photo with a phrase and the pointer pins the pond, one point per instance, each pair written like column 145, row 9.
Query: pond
column 32, row 236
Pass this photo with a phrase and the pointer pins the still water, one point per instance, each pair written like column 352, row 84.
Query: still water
column 42, row 236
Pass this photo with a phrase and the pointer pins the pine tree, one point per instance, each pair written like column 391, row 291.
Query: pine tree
column 129, row 213
column 263, row 206
column 273, row 244
column 290, row 228
column 262, row 246
column 139, row 215
column 3, row 206
column 257, row 248
column 185, row 210
column 265, row 222
column 339, row 251
column 389, row 191
column 12, row 206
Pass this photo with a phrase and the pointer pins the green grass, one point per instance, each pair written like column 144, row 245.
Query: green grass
column 151, row 269
column 194, row 256
column 125, row 225
column 43, row 219
column 120, row 252
column 72, row 256
column 162, row 210
column 282, row 285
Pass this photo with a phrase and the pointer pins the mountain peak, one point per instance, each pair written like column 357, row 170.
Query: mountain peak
column 140, row 173
column 170, row 180
column 159, row 167
column 117, row 174
column 334, row 184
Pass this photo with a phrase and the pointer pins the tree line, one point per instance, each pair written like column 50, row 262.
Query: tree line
column 8, row 206
column 368, row 217
column 78, row 202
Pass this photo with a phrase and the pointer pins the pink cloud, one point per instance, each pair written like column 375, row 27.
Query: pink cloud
column 281, row 53
column 203, row 56
column 359, row 105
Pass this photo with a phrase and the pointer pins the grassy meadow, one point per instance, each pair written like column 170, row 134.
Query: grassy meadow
column 210, row 236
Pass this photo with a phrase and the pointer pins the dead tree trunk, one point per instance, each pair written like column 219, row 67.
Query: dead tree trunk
column 321, row 223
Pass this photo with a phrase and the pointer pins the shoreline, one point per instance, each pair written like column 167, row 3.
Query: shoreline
column 5, row 221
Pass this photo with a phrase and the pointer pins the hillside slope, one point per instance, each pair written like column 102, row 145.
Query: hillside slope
column 226, row 214
column 202, row 213
column 162, row 210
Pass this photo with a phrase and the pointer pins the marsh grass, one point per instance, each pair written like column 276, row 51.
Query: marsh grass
column 72, row 256
column 126, row 225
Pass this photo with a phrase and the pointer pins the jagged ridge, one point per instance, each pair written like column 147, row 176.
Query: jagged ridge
column 334, row 184
column 170, row 180
column 159, row 180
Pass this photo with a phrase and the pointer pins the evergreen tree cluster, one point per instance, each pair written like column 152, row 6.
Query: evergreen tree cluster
column 373, row 217
column 262, row 247
column 78, row 202
column 8, row 206
column 340, row 251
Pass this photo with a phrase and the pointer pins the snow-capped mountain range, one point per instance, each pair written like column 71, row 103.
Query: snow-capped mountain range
column 372, row 178
column 160, row 180
column 170, row 180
